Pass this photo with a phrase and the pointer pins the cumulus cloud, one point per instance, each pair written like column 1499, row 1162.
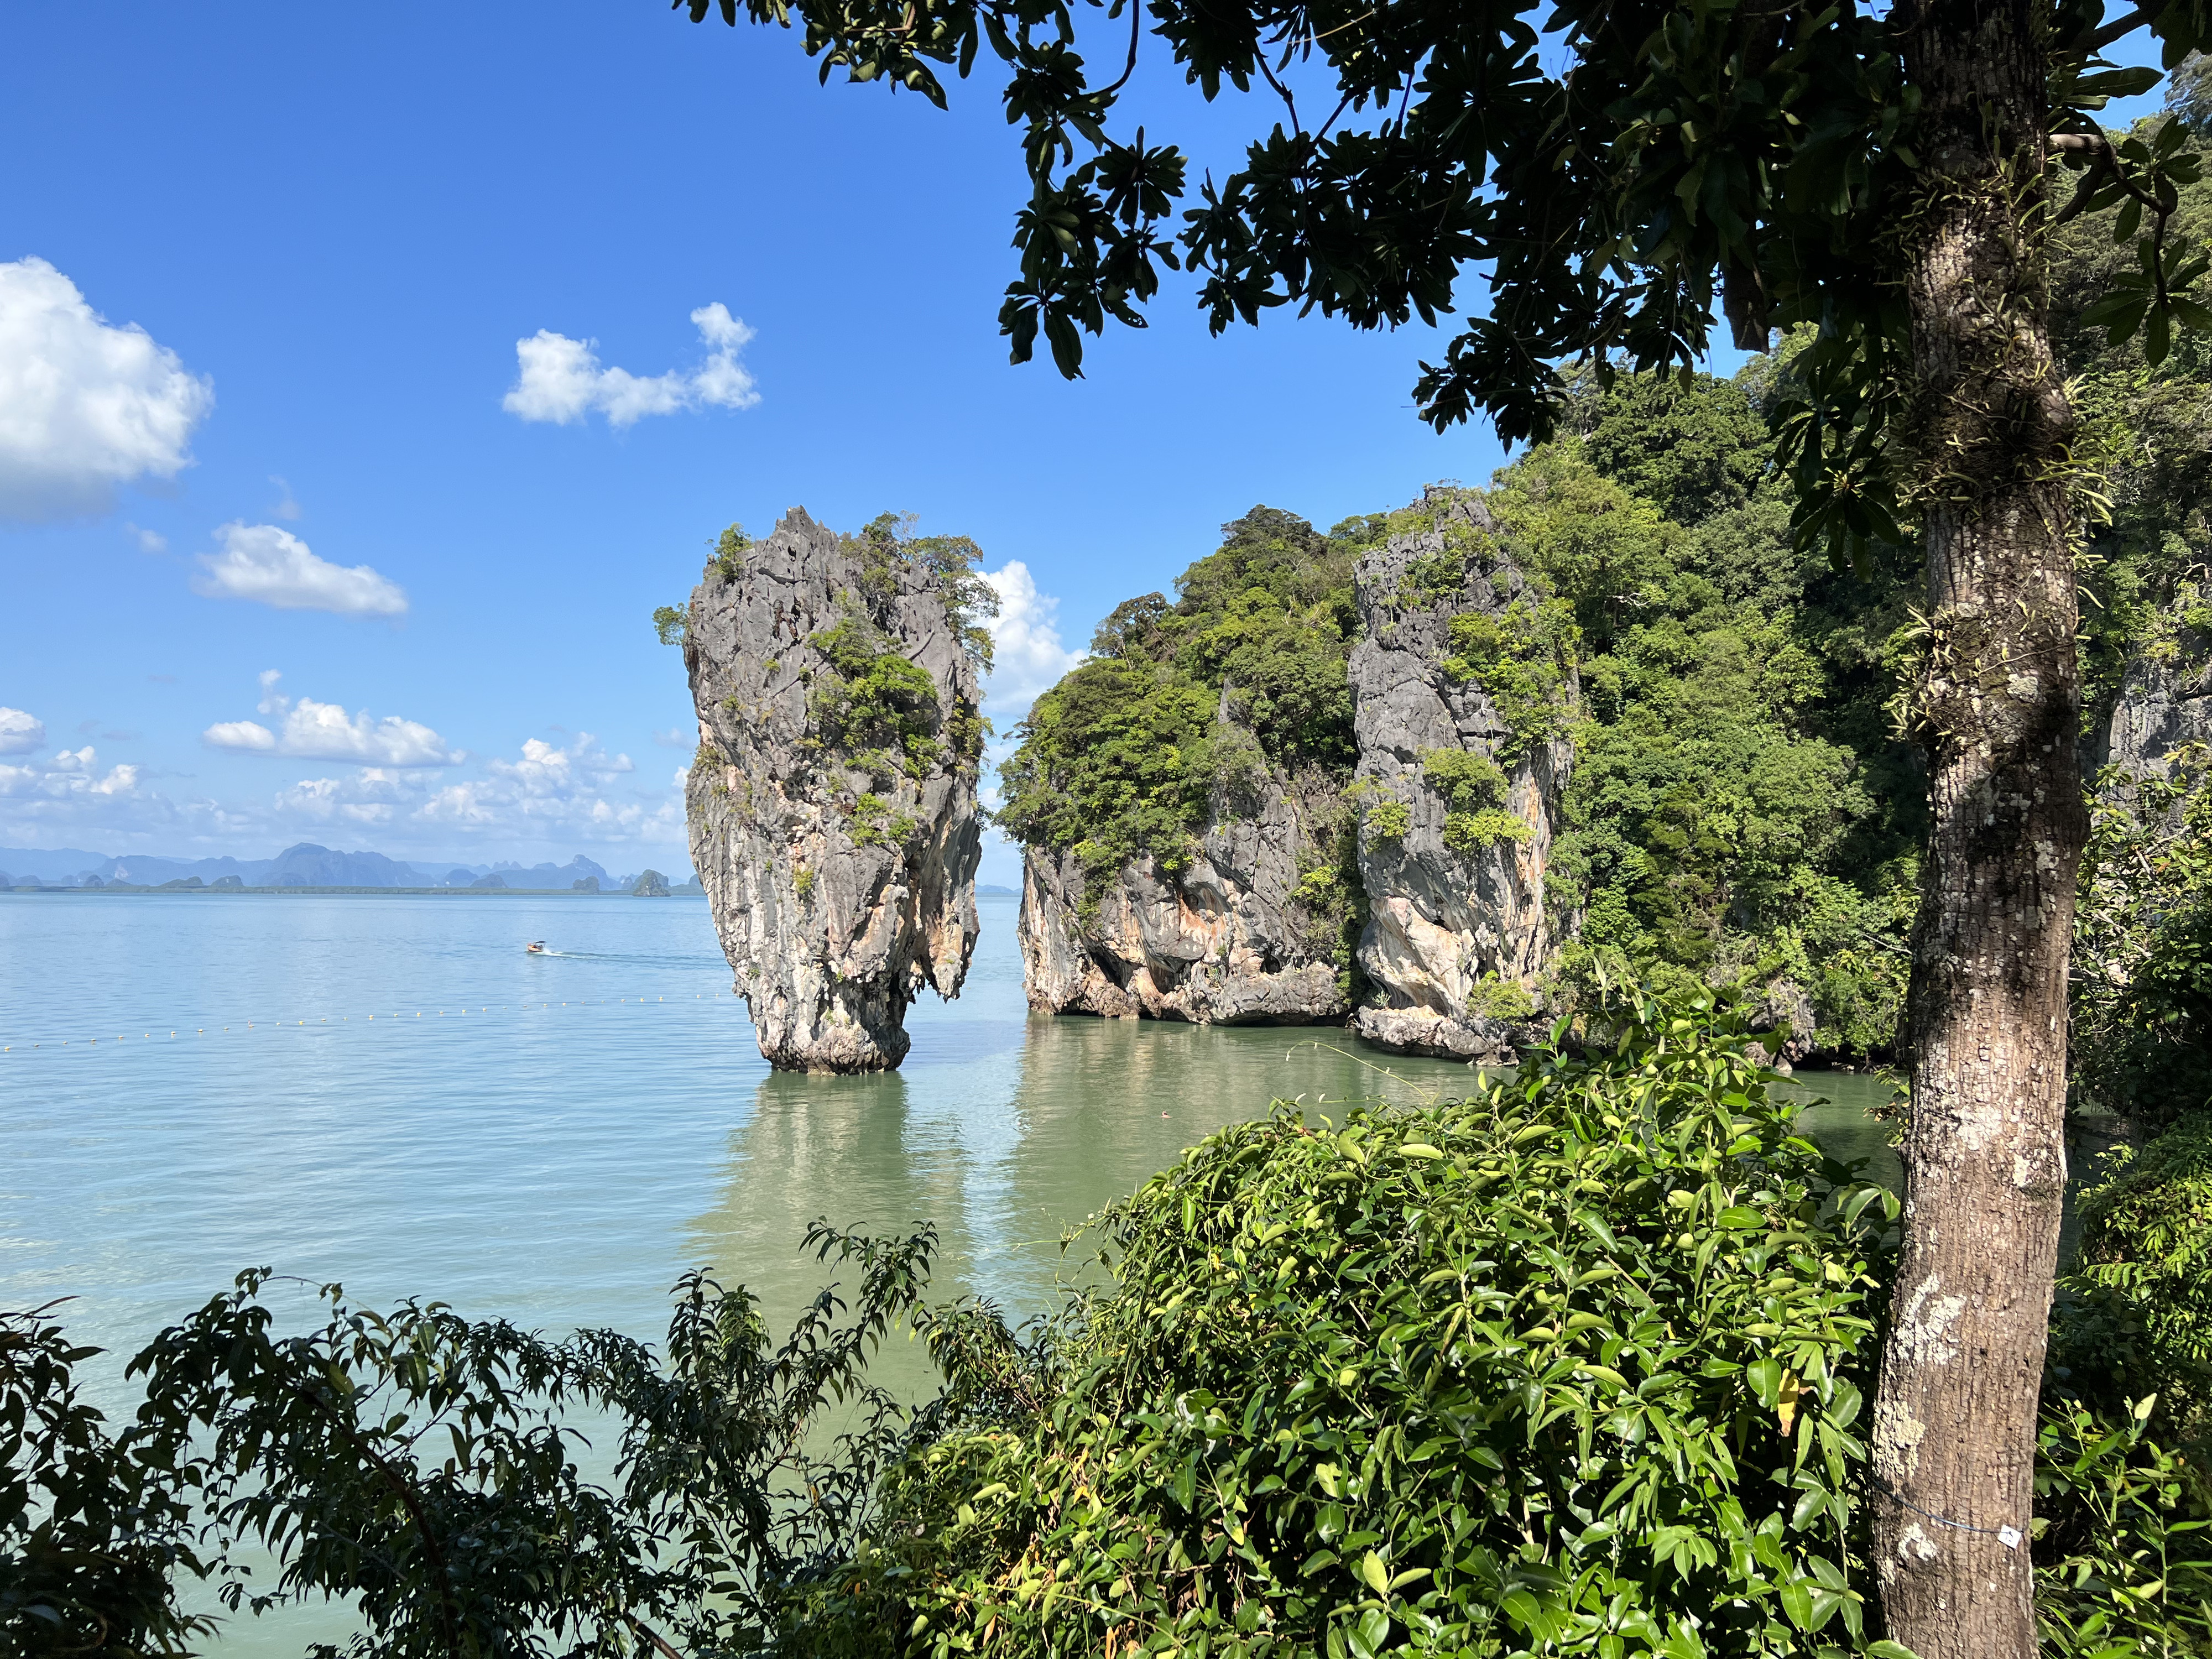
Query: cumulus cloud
column 1026, row 654
column 551, row 789
column 20, row 732
column 561, row 380
column 324, row 731
column 149, row 541
column 71, row 789
column 288, row 504
column 85, row 407
column 272, row 566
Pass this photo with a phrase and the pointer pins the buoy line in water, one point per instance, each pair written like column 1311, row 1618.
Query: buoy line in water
column 319, row 1022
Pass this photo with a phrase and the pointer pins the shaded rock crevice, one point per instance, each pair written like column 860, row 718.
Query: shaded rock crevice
column 832, row 803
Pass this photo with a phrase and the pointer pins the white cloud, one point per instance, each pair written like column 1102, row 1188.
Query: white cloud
column 1026, row 654
column 239, row 734
column 71, row 790
column 272, row 567
column 288, row 506
column 324, row 731
column 84, row 407
column 149, row 541
column 20, row 733
column 552, row 790
column 560, row 380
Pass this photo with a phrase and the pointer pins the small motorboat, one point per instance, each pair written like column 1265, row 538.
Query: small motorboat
column 536, row 947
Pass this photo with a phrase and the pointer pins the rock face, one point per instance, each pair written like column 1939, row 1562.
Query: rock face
column 1227, row 940
column 832, row 803
column 1458, row 810
column 2165, row 701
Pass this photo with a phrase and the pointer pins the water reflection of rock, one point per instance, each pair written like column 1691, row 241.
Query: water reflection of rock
column 1005, row 1145
column 1007, row 1138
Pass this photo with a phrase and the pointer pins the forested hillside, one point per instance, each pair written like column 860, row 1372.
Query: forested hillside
column 1742, row 811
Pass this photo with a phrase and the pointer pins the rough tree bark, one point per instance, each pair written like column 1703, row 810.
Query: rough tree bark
column 1998, row 709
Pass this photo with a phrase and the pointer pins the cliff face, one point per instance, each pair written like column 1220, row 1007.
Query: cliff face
column 1460, row 689
column 1241, row 935
column 2165, row 701
column 832, row 803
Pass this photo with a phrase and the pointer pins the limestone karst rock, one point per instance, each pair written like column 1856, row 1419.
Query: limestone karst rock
column 832, row 803
column 1225, row 940
column 1461, row 688
column 2165, row 700
column 1181, row 823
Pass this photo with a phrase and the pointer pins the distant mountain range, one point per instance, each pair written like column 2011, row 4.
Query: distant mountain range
column 304, row 866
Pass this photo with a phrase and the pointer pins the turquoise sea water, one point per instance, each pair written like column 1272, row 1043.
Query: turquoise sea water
column 389, row 1092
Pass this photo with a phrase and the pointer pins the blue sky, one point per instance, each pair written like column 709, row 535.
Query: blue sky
column 334, row 226
column 342, row 229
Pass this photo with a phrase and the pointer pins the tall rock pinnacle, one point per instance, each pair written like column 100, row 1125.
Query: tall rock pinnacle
column 832, row 802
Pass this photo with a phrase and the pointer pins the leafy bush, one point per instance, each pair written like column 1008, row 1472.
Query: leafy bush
column 730, row 550
column 874, row 705
column 1495, row 997
column 94, row 1524
column 1388, row 820
column 1472, row 832
column 2119, row 1538
column 1575, row 1364
column 2142, row 944
column 422, row 1466
column 1522, row 660
column 1123, row 756
column 2146, row 1236
column 1468, row 781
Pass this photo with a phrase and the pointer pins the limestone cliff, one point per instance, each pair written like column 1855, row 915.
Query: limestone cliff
column 2165, row 701
column 1462, row 686
column 1179, row 795
column 832, row 803
column 1240, row 934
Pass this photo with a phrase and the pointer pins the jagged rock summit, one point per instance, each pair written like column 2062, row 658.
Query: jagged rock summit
column 832, row 803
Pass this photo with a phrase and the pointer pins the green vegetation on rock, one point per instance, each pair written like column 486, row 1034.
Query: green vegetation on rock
column 1124, row 756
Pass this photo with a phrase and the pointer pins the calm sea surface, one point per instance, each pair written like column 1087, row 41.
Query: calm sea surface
column 389, row 1092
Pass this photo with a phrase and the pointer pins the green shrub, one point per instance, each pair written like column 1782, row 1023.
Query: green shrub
column 1523, row 660
column 1472, row 832
column 874, row 705
column 729, row 549
column 2143, row 944
column 1573, row 1365
column 1495, row 997
column 2119, row 1537
column 873, row 823
column 1389, row 820
column 1124, row 756
column 2146, row 1236
column 1467, row 780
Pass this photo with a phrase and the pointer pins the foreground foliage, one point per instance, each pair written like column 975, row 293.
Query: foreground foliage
column 1577, row 1365
column 2142, row 950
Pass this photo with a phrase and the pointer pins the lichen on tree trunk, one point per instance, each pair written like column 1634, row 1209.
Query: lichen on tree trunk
column 1997, row 709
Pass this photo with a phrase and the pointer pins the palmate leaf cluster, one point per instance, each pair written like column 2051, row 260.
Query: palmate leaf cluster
column 1574, row 1365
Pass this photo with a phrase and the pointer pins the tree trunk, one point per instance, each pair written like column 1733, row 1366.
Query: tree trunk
column 1998, row 709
